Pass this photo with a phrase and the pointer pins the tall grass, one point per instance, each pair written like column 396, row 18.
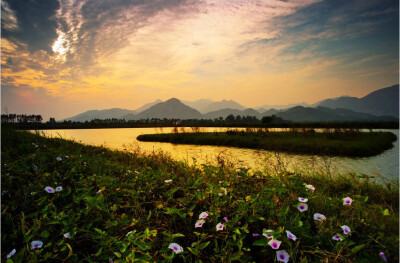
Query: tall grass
column 323, row 143
column 121, row 205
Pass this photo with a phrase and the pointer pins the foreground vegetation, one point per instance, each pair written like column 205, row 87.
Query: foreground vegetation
column 333, row 142
column 130, row 207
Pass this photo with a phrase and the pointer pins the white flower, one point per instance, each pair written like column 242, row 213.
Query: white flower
column 303, row 200
column 67, row 235
column 36, row 244
column 219, row 227
column 319, row 217
column 290, row 235
column 176, row 248
column 310, row 187
column 274, row 243
column 203, row 215
column 199, row 223
column 49, row 189
column 168, row 181
column 347, row 201
column 302, row 207
column 282, row 255
column 268, row 235
column 12, row 253
column 337, row 238
column 346, row 229
column 58, row 188
column 59, row 159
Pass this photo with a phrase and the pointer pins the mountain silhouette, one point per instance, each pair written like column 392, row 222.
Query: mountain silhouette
column 170, row 109
column 380, row 102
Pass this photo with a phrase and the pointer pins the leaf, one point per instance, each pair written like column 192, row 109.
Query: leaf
column 300, row 223
column 118, row 254
column 99, row 231
column 261, row 242
column 386, row 212
column 45, row 234
column 357, row 248
column 177, row 235
column 70, row 250
column 193, row 250
column 204, row 245
column 142, row 245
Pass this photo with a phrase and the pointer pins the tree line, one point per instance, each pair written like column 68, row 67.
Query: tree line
column 21, row 118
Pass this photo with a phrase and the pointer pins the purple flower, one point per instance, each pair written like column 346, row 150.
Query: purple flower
column 49, row 189
column 255, row 235
column 239, row 223
column 58, row 188
column 346, row 229
column 36, row 244
column 219, row 227
column 302, row 207
column 274, row 243
column 282, row 255
column 319, row 217
column 12, row 253
column 383, row 256
column 347, row 201
column 176, row 248
column 35, row 167
column 67, row 235
column 59, row 159
column 290, row 235
column 110, row 260
column 199, row 223
column 203, row 215
column 303, row 200
column 225, row 219
column 337, row 238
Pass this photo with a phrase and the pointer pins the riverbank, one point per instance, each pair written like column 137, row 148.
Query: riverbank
column 130, row 205
column 347, row 143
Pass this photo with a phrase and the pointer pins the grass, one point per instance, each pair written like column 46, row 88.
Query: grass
column 118, row 205
column 357, row 144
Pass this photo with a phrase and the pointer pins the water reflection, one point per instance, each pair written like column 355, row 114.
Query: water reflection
column 385, row 164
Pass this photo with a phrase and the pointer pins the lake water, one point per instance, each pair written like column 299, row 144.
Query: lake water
column 385, row 164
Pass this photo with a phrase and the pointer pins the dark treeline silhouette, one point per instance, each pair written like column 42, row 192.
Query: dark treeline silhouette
column 33, row 122
column 21, row 118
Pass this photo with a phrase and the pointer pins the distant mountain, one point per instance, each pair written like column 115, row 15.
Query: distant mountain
column 198, row 104
column 226, row 112
column 170, row 109
column 307, row 114
column 101, row 114
column 270, row 112
column 380, row 102
column 223, row 104
column 265, row 107
column 148, row 105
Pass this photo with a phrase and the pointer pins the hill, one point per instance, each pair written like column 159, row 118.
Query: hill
column 380, row 102
column 170, row 109
column 101, row 114
column 318, row 114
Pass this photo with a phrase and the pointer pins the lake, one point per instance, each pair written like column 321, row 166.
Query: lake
column 385, row 164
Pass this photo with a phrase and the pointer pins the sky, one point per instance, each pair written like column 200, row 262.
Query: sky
column 61, row 58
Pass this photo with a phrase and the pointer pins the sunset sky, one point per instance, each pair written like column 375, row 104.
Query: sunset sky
column 60, row 58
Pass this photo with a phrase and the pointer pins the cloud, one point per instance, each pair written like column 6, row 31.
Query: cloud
column 35, row 22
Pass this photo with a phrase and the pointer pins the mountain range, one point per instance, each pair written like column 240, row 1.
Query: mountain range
column 382, row 104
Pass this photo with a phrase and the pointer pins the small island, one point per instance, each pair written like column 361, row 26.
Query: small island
column 331, row 142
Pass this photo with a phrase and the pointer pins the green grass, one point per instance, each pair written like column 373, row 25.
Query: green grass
column 135, row 197
column 357, row 144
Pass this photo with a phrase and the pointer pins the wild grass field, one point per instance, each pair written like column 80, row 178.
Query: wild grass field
column 67, row 202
